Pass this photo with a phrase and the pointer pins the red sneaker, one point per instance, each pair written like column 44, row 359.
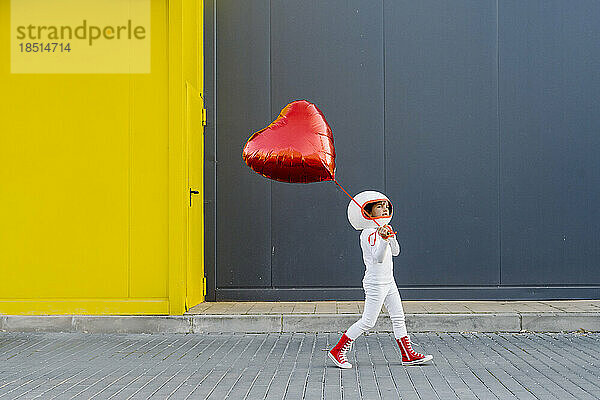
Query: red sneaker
column 338, row 353
column 409, row 356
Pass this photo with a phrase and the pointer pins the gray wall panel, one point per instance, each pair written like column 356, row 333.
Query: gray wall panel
column 330, row 53
column 243, row 205
column 441, row 140
column 210, row 155
column 550, row 121
column 480, row 119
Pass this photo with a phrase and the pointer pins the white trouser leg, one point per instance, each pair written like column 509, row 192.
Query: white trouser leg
column 374, row 297
column 393, row 303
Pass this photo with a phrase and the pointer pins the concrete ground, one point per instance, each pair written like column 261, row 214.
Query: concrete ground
column 421, row 316
column 410, row 307
column 329, row 316
column 295, row 366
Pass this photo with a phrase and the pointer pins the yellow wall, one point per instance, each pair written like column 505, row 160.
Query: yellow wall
column 93, row 180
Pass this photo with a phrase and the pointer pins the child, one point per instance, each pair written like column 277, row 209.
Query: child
column 378, row 244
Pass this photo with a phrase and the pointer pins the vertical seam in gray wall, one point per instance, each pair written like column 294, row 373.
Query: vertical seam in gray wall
column 208, row 26
column 383, row 67
column 499, row 142
column 268, row 121
column 214, row 149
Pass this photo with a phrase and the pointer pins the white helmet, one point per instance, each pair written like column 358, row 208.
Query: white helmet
column 358, row 217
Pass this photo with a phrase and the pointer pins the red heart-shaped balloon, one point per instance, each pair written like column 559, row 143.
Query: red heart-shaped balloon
column 297, row 147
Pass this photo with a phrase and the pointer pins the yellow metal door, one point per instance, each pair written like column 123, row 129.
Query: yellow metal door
column 196, row 282
column 84, row 163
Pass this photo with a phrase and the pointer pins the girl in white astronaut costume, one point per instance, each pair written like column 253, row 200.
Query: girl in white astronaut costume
column 378, row 243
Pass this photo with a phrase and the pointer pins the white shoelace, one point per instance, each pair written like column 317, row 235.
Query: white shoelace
column 347, row 346
column 410, row 350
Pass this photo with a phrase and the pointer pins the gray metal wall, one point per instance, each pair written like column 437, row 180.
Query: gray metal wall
column 479, row 119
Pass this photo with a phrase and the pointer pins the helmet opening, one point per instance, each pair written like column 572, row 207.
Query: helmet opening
column 367, row 208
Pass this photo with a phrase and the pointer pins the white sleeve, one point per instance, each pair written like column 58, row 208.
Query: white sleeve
column 373, row 245
column 395, row 246
column 365, row 246
column 381, row 245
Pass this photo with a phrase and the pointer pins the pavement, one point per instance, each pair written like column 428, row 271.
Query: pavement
column 330, row 316
column 295, row 366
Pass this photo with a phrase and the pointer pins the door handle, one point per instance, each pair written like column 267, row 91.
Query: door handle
column 191, row 193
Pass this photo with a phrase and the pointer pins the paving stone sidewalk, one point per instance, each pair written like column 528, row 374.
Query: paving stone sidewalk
column 295, row 366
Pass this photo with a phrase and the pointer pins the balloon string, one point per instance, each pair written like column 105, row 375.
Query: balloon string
column 359, row 206
column 351, row 198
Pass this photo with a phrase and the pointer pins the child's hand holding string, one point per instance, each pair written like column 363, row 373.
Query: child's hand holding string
column 385, row 231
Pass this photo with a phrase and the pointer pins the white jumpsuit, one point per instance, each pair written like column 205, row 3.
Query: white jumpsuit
column 379, row 284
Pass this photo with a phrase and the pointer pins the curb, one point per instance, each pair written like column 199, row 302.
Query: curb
column 286, row 323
